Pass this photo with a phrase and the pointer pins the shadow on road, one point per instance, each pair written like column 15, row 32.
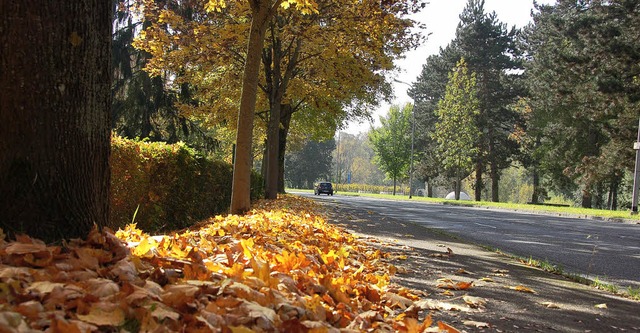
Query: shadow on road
column 518, row 298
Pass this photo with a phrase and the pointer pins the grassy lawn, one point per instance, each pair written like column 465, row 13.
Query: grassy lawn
column 573, row 211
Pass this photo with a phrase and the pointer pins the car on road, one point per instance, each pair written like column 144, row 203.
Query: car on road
column 323, row 187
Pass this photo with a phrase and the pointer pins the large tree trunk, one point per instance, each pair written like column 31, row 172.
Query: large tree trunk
column 54, row 117
column 241, row 187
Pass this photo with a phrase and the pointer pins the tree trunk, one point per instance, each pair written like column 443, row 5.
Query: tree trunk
column 241, row 187
column 479, row 185
column 613, row 194
column 586, row 198
column 429, row 189
column 285, row 123
column 495, row 181
column 273, row 143
column 394, row 185
column 535, row 197
column 55, row 99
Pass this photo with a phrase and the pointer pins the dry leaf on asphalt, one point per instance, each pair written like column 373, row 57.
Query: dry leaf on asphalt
column 522, row 289
column 476, row 324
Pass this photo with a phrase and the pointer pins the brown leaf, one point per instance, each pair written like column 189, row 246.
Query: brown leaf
column 104, row 314
column 474, row 302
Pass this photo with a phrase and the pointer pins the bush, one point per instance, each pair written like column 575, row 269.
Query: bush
column 170, row 186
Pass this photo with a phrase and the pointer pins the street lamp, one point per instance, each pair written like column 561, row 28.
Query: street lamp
column 636, row 177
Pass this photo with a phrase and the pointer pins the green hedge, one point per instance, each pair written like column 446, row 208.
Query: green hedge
column 170, row 186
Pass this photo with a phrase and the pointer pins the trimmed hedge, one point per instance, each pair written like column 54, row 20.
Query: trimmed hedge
column 170, row 186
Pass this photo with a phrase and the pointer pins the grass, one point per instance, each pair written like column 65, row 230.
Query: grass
column 568, row 211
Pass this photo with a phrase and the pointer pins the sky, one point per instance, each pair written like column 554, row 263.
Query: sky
column 441, row 19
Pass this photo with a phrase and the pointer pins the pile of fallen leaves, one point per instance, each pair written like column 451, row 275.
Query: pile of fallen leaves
column 280, row 267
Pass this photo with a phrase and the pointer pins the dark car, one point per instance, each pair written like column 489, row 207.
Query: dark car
column 323, row 187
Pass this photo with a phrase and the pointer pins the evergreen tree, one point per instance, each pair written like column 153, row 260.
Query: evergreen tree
column 488, row 47
column 582, row 74
column 455, row 130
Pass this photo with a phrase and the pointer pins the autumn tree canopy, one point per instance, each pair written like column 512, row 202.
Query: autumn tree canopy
column 329, row 63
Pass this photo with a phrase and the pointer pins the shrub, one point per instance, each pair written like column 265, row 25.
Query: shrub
column 169, row 186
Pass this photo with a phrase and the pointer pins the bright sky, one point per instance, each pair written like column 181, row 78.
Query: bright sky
column 441, row 18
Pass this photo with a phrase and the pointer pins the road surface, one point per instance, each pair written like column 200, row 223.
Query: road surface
column 603, row 250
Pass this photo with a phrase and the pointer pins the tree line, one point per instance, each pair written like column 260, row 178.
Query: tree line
column 559, row 97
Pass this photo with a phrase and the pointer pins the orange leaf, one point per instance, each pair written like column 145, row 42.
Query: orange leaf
column 446, row 327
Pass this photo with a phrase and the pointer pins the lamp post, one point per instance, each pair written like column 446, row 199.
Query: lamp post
column 636, row 177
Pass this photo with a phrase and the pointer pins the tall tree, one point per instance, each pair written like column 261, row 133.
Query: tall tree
column 392, row 143
column 456, row 130
column 489, row 48
column 54, row 117
column 426, row 92
column 582, row 69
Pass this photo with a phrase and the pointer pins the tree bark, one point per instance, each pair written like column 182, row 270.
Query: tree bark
column 241, row 187
column 479, row 185
column 535, row 197
column 285, row 123
column 495, row 182
column 55, row 100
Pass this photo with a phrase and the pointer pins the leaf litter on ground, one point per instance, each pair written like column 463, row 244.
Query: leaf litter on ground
column 280, row 267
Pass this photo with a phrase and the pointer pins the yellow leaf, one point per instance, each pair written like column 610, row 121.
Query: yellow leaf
column 144, row 248
column 247, row 247
column 522, row 289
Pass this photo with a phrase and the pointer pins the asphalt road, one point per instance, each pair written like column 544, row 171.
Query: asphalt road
column 608, row 251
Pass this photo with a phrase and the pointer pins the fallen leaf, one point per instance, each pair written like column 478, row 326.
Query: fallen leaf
column 44, row 287
column 431, row 304
column 476, row 324
column 522, row 289
column 550, row 305
column 474, row 302
column 455, row 286
column 447, row 328
column 462, row 271
column 104, row 314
